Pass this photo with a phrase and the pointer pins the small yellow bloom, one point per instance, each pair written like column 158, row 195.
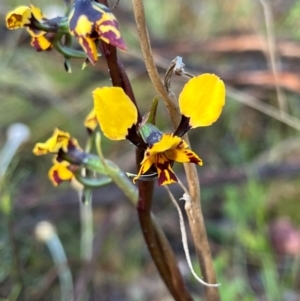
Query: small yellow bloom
column 24, row 16
column 29, row 17
column 201, row 102
column 169, row 148
column 90, row 21
column 59, row 143
column 59, row 140
column 18, row 18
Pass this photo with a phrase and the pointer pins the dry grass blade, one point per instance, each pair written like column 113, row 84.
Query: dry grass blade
column 264, row 108
column 273, row 60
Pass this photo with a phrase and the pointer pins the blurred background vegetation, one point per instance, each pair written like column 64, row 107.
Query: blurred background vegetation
column 250, row 178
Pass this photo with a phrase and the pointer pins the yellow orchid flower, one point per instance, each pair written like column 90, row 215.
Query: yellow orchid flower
column 201, row 102
column 162, row 154
column 60, row 142
column 90, row 21
column 29, row 17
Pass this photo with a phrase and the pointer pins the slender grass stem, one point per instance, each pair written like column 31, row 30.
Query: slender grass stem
column 46, row 233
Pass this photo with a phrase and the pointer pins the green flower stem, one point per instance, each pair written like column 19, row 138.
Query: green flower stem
column 56, row 25
column 66, row 51
column 92, row 183
column 122, row 181
column 112, row 172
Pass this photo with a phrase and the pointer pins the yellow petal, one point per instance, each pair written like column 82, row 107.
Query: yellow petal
column 18, row 18
column 183, row 156
column 168, row 141
column 59, row 140
column 36, row 12
column 91, row 121
column 80, row 25
column 89, row 47
column 60, row 172
column 145, row 166
column 40, row 43
column 202, row 99
column 115, row 112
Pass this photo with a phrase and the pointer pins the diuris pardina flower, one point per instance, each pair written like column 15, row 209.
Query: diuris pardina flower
column 29, row 17
column 90, row 21
column 200, row 102
column 60, row 142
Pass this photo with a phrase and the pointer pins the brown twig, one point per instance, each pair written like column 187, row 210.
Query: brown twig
column 194, row 213
column 138, row 8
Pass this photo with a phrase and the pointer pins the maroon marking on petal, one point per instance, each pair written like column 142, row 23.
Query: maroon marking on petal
column 35, row 43
column 181, row 144
column 166, row 176
column 134, row 138
column 162, row 165
column 195, row 160
column 192, row 157
column 88, row 51
column 166, row 172
column 60, row 156
column 183, row 126
column 110, row 35
column 56, row 178
column 72, row 145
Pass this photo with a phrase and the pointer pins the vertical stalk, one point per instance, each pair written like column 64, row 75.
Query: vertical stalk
column 45, row 232
column 157, row 243
column 86, row 224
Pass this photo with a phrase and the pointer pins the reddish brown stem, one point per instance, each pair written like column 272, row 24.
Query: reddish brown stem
column 157, row 243
column 158, row 246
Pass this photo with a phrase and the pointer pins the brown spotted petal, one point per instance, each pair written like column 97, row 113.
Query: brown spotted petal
column 183, row 156
column 165, row 173
column 59, row 172
column 41, row 43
